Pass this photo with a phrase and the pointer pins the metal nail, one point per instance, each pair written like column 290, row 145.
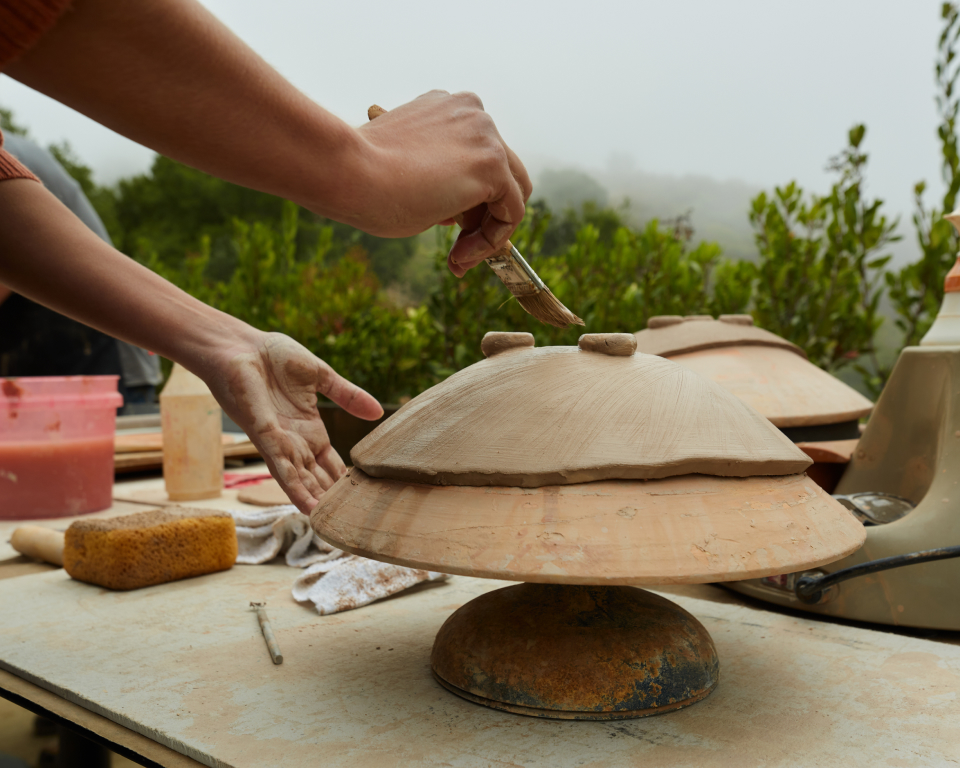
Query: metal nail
column 267, row 630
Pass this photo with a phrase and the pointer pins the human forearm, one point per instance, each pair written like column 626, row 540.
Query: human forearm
column 168, row 75
column 266, row 382
column 48, row 255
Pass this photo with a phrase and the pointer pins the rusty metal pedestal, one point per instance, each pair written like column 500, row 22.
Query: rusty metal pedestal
column 575, row 653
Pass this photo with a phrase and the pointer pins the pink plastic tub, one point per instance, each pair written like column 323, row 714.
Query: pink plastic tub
column 56, row 445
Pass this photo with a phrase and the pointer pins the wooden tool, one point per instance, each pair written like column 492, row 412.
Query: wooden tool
column 39, row 543
column 269, row 638
column 519, row 277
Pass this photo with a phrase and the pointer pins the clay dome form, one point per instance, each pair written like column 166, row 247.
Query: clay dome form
column 532, row 417
column 678, row 530
column 762, row 369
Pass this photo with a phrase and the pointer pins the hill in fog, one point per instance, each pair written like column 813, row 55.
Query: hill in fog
column 718, row 209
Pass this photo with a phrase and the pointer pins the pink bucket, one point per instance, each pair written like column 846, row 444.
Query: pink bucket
column 56, row 445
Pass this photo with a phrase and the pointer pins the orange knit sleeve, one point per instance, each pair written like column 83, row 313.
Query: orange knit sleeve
column 11, row 168
column 23, row 22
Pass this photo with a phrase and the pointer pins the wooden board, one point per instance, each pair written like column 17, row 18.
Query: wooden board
column 134, row 462
column 137, row 442
column 185, row 665
column 679, row 530
column 153, row 491
column 544, row 416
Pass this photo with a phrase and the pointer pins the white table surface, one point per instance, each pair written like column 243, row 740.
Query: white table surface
column 185, row 664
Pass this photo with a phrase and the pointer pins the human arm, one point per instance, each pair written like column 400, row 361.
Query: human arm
column 167, row 74
column 267, row 383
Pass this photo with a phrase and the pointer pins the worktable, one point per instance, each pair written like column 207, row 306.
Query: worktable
column 179, row 675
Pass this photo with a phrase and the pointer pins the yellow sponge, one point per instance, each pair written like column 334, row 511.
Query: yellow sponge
column 149, row 548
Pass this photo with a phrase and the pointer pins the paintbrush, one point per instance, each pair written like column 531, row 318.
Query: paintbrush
column 519, row 277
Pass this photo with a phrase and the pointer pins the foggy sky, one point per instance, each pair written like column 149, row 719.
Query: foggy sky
column 761, row 91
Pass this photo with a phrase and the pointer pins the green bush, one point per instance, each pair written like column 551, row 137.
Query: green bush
column 819, row 280
column 917, row 290
column 820, row 276
column 336, row 308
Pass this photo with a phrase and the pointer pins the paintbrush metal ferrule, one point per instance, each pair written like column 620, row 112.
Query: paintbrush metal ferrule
column 514, row 272
column 534, row 277
column 529, row 289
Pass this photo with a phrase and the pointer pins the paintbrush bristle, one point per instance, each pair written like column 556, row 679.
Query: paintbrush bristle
column 547, row 308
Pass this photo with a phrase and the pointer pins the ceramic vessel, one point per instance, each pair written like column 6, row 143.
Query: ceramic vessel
column 594, row 469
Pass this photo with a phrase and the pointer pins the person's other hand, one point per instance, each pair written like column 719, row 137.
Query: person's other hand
column 269, row 388
column 436, row 158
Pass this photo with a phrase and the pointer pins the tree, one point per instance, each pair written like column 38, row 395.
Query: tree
column 167, row 211
column 820, row 276
column 917, row 290
column 9, row 125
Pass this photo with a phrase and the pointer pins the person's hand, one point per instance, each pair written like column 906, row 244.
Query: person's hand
column 269, row 388
column 438, row 157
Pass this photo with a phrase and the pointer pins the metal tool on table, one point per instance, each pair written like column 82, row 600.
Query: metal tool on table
column 903, row 484
column 269, row 638
column 518, row 276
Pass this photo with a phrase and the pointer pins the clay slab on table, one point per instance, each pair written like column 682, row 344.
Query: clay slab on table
column 265, row 494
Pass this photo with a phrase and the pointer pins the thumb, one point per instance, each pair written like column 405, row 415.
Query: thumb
column 349, row 396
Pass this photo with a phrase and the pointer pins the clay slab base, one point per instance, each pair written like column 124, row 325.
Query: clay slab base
column 679, row 530
column 575, row 653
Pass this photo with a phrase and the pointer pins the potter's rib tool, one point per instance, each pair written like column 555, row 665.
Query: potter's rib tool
column 519, row 277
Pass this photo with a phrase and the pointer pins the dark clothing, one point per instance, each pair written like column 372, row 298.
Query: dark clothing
column 36, row 341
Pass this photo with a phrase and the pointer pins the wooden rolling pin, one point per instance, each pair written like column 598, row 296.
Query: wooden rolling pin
column 39, row 543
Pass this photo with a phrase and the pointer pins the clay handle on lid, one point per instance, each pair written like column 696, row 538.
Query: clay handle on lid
column 613, row 344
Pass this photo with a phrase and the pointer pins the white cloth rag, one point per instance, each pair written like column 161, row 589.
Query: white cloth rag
column 334, row 581
column 265, row 533
column 350, row 582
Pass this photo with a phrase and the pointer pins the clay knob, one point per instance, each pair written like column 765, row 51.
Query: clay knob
column 662, row 321
column 494, row 343
column 616, row 344
column 736, row 319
